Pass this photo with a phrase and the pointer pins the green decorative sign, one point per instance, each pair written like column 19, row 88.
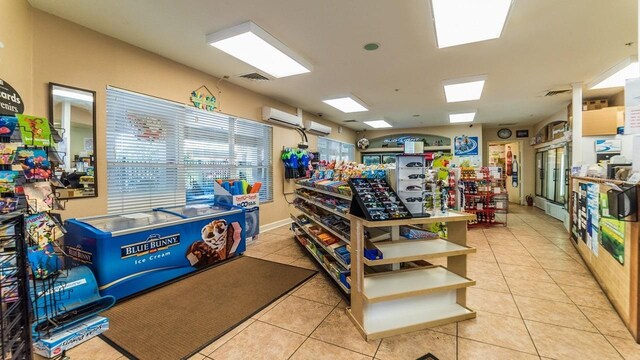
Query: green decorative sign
column 205, row 101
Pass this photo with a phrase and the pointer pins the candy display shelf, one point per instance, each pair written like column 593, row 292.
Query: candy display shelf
column 303, row 239
column 404, row 300
column 328, row 248
column 340, row 196
column 324, row 207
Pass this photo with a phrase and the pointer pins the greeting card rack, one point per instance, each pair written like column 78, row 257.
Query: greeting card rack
column 15, row 325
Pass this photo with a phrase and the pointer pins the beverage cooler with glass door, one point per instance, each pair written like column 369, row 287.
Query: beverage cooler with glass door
column 552, row 174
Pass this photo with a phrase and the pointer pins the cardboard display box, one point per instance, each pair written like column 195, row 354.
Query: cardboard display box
column 66, row 339
column 594, row 104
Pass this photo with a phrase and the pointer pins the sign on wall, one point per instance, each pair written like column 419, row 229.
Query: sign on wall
column 632, row 106
column 203, row 101
column 465, row 145
column 604, row 146
column 10, row 101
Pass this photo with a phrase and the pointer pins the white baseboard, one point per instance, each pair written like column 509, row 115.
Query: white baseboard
column 275, row 224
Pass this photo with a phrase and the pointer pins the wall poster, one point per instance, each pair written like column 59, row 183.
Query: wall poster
column 593, row 217
column 465, row 145
column 611, row 230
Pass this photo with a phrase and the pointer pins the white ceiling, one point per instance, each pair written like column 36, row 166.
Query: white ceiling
column 545, row 44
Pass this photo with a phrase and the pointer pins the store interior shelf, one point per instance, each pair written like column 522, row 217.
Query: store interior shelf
column 412, row 250
column 404, row 319
column 330, row 193
column 411, row 282
column 326, row 248
column 319, row 223
column 452, row 216
column 333, row 211
column 337, row 281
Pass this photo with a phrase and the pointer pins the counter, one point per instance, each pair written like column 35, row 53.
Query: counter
column 129, row 253
column 609, row 245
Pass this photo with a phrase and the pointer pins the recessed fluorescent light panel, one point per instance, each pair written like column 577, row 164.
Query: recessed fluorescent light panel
column 616, row 76
column 464, row 89
column 378, row 124
column 460, row 22
column 72, row 95
column 256, row 47
column 346, row 104
column 462, row 117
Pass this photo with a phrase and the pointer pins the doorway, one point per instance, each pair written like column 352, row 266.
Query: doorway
column 508, row 156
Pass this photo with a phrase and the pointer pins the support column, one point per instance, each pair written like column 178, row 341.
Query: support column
column 576, row 125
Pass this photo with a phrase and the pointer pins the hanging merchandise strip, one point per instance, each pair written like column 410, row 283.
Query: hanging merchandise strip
column 162, row 153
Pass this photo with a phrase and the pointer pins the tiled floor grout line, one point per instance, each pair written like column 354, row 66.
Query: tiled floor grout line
column 563, row 291
column 513, row 298
column 314, row 329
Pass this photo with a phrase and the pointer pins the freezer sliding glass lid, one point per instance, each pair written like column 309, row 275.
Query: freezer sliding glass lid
column 113, row 223
column 195, row 210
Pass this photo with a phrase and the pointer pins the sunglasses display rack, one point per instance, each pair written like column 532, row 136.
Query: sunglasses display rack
column 375, row 200
column 410, row 181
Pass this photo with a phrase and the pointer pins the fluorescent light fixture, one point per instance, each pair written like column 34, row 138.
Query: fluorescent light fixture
column 464, row 89
column 256, row 47
column 616, row 76
column 462, row 117
column 346, row 104
column 72, row 95
column 460, row 22
column 378, row 124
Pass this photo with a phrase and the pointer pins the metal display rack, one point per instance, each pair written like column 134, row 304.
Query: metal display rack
column 485, row 196
column 15, row 325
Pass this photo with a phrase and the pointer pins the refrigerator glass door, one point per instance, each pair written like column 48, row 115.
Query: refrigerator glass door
column 550, row 175
column 195, row 210
column 539, row 174
column 561, row 166
column 114, row 223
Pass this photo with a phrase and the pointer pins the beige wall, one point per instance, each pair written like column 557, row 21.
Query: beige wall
column 16, row 33
column 526, row 160
column 72, row 55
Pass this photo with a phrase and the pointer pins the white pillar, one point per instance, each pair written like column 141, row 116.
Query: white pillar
column 576, row 127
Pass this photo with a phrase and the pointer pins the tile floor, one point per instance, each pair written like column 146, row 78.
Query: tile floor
column 534, row 297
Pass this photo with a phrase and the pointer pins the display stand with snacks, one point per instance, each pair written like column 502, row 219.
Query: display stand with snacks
column 484, row 194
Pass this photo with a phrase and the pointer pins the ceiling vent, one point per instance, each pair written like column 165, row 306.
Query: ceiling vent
column 254, row 76
column 350, row 121
column 557, row 92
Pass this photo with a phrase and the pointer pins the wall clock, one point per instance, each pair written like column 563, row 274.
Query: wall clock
column 504, row 133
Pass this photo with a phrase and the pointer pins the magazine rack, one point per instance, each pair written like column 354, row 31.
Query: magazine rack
column 14, row 305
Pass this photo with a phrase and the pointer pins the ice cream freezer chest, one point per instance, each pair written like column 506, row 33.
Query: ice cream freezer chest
column 129, row 253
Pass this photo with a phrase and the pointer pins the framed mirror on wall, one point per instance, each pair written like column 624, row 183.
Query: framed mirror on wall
column 73, row 110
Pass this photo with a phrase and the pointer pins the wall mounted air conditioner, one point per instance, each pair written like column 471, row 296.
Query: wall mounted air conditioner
column 280, row 117
column 313, row 127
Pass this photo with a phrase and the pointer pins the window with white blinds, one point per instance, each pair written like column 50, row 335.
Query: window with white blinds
column 336, row 150
column 161, row 153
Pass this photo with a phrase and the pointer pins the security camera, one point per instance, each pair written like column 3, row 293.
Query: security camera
column 471, row 125
column 320, row 114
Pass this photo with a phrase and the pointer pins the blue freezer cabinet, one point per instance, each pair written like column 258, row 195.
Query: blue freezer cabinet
column 132, row 252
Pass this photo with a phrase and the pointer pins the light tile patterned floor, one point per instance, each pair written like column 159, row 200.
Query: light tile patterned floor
column 534, row 297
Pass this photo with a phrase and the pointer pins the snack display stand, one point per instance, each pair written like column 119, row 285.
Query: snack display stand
column 414, row 297
column 129, row 253
column 484, row 194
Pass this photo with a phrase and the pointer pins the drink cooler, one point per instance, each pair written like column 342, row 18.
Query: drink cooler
column 124, row 251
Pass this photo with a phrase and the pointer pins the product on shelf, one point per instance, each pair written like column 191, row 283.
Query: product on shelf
column 417, row 233
column 376, row 200
column 484, row 195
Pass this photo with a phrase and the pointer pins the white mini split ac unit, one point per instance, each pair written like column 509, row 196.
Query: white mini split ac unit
column 280, row 117
column 313, row 127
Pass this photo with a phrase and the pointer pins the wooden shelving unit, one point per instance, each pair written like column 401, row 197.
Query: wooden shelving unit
column 404, row 300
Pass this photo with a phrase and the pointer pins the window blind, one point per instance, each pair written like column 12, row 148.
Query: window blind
column 336, row 150
column 162, row 153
